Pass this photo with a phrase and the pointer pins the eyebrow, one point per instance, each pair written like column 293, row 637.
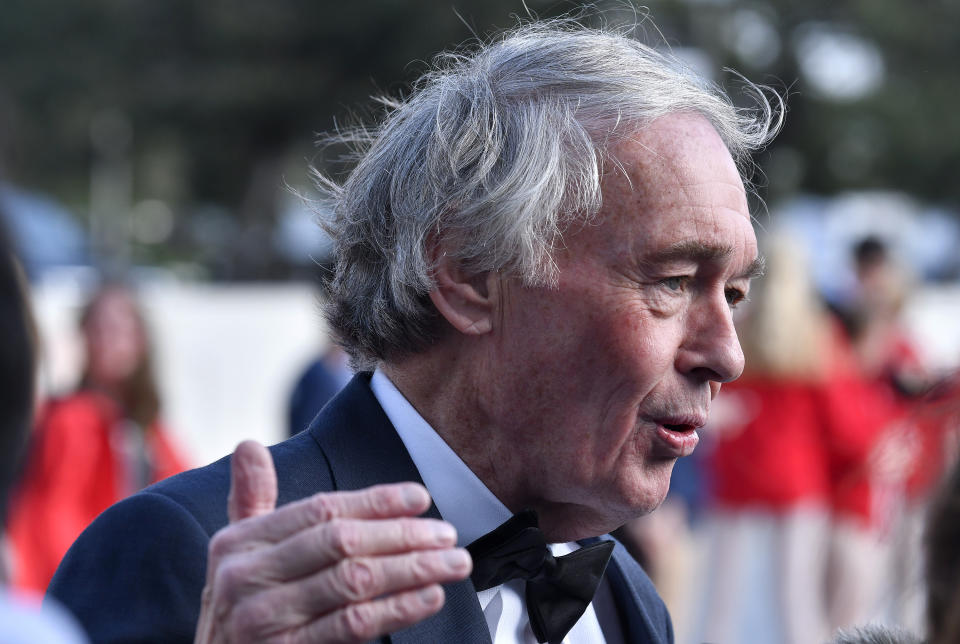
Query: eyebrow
column 696, row 251
column 756, row 269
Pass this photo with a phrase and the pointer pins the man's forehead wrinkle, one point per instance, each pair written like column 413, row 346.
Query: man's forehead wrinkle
column 729, row 187
column 666, row 179
column 736, row 188
column 680, row 167
column 690, row 250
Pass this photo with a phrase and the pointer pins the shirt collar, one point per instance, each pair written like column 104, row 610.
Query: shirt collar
column 462, row 498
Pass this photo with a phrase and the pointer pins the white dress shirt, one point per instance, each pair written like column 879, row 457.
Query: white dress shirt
column 465, row 502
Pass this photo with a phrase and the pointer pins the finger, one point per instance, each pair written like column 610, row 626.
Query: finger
column 324, row 545
column 378, row 502
column 359, row 580
column 253, row 482
column 253, row 492
column 370, row 620
column 206, row 631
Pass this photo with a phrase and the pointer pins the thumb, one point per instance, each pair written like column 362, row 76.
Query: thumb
column 253, row 482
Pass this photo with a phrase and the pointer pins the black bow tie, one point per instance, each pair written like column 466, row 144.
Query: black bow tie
column 559, row 589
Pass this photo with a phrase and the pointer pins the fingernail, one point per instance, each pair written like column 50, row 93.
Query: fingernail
column 444, row 533
column 457, row 559
column 430, row 595
column 413, row 497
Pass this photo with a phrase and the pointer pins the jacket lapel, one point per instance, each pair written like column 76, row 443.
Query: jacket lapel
column 363, row 449
column 634, row 594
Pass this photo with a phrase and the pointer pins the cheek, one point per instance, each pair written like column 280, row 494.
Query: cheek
column 114, row 357
column 638, row 355
column 640, row 346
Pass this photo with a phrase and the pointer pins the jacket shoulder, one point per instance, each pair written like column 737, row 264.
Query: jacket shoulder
column 136, row 573
column 301, row 470
column 141, row 554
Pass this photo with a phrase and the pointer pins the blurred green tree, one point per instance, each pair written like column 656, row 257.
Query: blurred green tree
column 224, row 98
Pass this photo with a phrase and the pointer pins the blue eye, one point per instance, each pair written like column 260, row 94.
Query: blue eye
column 676, row 283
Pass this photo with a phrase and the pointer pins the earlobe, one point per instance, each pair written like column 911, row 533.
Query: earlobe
column 466, row 301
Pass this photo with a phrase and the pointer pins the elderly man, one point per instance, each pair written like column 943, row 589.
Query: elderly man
column 537, row 258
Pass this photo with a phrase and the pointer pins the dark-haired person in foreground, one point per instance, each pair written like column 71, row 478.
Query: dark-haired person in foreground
column 21, row 620
column 536, row 261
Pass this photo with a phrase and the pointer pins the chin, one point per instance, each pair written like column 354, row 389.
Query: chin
column 647, row 495
column 603, row 520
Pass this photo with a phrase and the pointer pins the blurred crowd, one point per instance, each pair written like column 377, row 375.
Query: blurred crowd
column 815, row 475
column 825, row 492
column 802, row 513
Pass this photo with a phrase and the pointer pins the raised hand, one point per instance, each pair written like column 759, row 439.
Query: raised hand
column 335, row 567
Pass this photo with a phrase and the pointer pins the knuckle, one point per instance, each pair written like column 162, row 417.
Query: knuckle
column 322, row 508
column 356, row 578
column 343, row 537
column 359, row 621
column 253, row 618
column 401, row 609
column 221, row 545
column 412, row 533
column 383, row 500
column 227, row 574
column 422, row 567
column 229, row 581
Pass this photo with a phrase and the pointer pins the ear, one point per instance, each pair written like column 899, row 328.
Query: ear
column 466, row 301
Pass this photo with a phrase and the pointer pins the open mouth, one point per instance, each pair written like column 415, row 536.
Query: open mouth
column 677, row 439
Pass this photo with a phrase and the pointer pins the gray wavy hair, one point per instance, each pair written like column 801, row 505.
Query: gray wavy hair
column 497, row 152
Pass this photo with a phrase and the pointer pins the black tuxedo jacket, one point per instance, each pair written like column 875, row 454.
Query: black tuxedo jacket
column 135, row 575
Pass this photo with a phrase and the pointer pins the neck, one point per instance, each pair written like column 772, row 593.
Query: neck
column 457, row 396
column 450, row 390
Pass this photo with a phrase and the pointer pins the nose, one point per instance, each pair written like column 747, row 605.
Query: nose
column 710, row 350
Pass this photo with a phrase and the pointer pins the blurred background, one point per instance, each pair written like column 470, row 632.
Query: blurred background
column 162, row 145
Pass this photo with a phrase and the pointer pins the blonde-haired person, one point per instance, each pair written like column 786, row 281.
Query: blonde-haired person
column 797, row 407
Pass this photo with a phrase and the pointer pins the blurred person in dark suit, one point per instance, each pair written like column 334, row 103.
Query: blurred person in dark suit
column 322, row 378
column 537, row 255
column 316, row 386
column 94, row 446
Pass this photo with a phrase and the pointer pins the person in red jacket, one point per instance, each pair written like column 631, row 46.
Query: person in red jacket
column 92, row 447
column 888, row 500
column 783, row 427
